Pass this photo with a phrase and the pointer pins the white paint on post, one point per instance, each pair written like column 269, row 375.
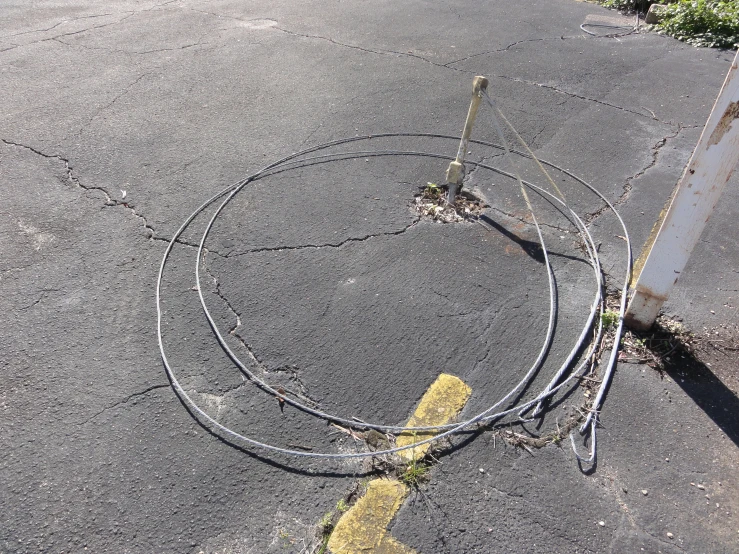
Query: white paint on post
column 698, row 191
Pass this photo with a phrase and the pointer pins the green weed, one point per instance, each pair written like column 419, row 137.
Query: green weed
column 609, row 318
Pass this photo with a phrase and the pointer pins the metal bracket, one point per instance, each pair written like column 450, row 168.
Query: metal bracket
column 455, row 171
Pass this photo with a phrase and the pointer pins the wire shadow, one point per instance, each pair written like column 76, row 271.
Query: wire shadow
column 532, row 249
column 265, row 459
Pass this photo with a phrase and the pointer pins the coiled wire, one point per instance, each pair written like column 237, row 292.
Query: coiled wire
column 490, row 414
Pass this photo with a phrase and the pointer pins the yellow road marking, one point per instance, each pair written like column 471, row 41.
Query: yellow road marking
column 443, row 400
column 363, row 529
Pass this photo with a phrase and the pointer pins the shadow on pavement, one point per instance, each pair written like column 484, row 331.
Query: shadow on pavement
column 695, row 364
column 709, row 393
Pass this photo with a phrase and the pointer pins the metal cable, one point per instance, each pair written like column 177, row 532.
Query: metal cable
column 296, row 160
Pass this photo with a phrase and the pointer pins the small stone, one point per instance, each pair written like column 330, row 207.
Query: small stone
column 602, row 523
column 645, row 492
column 701, row 487
column 670, row 536
column 482, row 470
column 653, row 14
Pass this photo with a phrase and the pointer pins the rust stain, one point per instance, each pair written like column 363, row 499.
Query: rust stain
column 731, row 113
column 650, row 294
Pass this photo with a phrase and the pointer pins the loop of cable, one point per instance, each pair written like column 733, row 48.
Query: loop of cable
column 487, row 416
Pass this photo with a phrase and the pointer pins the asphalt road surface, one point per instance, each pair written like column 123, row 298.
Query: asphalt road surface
column 119, row 119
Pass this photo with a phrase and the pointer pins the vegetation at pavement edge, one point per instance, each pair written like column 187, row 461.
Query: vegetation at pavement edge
column 697, row 22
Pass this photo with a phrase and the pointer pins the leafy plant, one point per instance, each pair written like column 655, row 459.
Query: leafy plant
column 326, row 527
column 702, row 22
column 713, row 23
column 628, row 5
column 285, row 538
column 609, row 318
column 432, row 191
column 326, row 521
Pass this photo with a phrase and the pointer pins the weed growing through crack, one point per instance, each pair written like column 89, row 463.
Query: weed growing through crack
column 431, row 202
column 326, row 527
column 323, row 548
column 326, row 521
column 285, row 538
column 415, row 473
column 658, row 346
column 609, row 318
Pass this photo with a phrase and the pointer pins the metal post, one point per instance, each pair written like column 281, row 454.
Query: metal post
column 455, row 171
column 664, row 257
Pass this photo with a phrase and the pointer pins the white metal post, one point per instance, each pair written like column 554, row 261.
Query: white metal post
column 696, row 195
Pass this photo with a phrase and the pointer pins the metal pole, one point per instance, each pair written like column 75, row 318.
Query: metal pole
column 664, row 257
column 455, row 171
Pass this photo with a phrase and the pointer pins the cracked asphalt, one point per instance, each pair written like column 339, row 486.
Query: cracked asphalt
column 120, row 119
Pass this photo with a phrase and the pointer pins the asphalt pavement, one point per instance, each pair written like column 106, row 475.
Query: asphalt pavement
column 119, row 119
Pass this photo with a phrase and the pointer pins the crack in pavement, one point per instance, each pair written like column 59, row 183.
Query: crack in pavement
column 329, row 39
column 124, row 401
column 363, row 49
column 511, row 45
column 580, row 97
column 43, row 292
column 628, row 185
column 74, row 181
column 383, row 52
column 477, row 165
column 115, row 99
column 183, row 242
column 294, row 375
column 55, row 25
column 327, row 245
column 516, row 43
column 217, row 284
column 198, row 42
column 293, row 370
column 129, row 14
column 447, row 65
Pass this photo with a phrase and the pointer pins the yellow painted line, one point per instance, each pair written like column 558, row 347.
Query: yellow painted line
column 441, row 403
column 363, row 529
